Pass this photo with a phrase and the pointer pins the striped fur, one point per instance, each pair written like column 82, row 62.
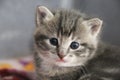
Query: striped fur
column 93, row 60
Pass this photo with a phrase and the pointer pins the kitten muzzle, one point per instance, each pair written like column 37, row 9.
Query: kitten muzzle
column 61, row 55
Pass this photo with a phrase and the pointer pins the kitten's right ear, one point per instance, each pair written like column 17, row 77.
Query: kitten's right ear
column 43, row 15
column 94, row 25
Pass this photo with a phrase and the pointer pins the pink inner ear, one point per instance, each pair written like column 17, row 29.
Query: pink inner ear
column 94, row 28
column 43, row 14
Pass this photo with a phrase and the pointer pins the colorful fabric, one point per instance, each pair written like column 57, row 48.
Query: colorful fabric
column 25, row 64
column 17, row 69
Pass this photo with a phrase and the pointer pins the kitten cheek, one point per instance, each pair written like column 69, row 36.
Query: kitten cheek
column 70, row 59
column 84, row 55
column 44, row 53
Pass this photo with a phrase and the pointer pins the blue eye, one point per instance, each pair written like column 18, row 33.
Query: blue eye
column 54, row 41
column 74, row 45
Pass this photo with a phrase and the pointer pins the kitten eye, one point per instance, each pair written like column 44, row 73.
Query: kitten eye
column 54, row 41
column 74, row 45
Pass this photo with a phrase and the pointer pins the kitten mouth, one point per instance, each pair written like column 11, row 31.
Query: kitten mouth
column 60, row 60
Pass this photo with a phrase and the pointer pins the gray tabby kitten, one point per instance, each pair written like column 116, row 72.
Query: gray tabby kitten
column 67, row 47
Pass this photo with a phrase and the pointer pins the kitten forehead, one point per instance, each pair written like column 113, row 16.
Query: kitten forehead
column 68, row 21
column 64, row 23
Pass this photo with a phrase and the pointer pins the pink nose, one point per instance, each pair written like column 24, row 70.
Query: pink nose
column 61, row 55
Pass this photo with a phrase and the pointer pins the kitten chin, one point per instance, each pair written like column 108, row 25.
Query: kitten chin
column 51, row 60
column 51, row 68
column 54, row 66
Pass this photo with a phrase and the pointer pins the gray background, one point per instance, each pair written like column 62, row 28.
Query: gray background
column 17, row 21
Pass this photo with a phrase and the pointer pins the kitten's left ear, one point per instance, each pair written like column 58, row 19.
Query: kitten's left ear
column 43, row 15
column 95, row 25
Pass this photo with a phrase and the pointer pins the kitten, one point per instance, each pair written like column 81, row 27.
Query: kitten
column 67, row 47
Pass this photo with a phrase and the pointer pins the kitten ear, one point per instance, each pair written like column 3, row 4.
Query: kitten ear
column 43, row 14
column 95, row 25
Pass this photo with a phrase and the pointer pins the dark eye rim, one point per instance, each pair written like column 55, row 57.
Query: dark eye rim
column 73, row 43
column 83, row 44
column 53, row 41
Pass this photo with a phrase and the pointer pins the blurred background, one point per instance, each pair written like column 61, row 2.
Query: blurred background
column 17, row 21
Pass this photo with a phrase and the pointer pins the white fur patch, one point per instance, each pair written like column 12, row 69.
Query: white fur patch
column 111, row 70
column 71, row 61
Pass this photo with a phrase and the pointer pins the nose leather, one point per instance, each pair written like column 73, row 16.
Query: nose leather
column 61, row 55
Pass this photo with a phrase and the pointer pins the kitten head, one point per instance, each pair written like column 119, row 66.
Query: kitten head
column 65, row 38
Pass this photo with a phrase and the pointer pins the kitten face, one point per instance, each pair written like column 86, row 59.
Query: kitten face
column 65, row 38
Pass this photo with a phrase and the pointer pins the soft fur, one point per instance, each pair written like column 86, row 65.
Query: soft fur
column 92, row 60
